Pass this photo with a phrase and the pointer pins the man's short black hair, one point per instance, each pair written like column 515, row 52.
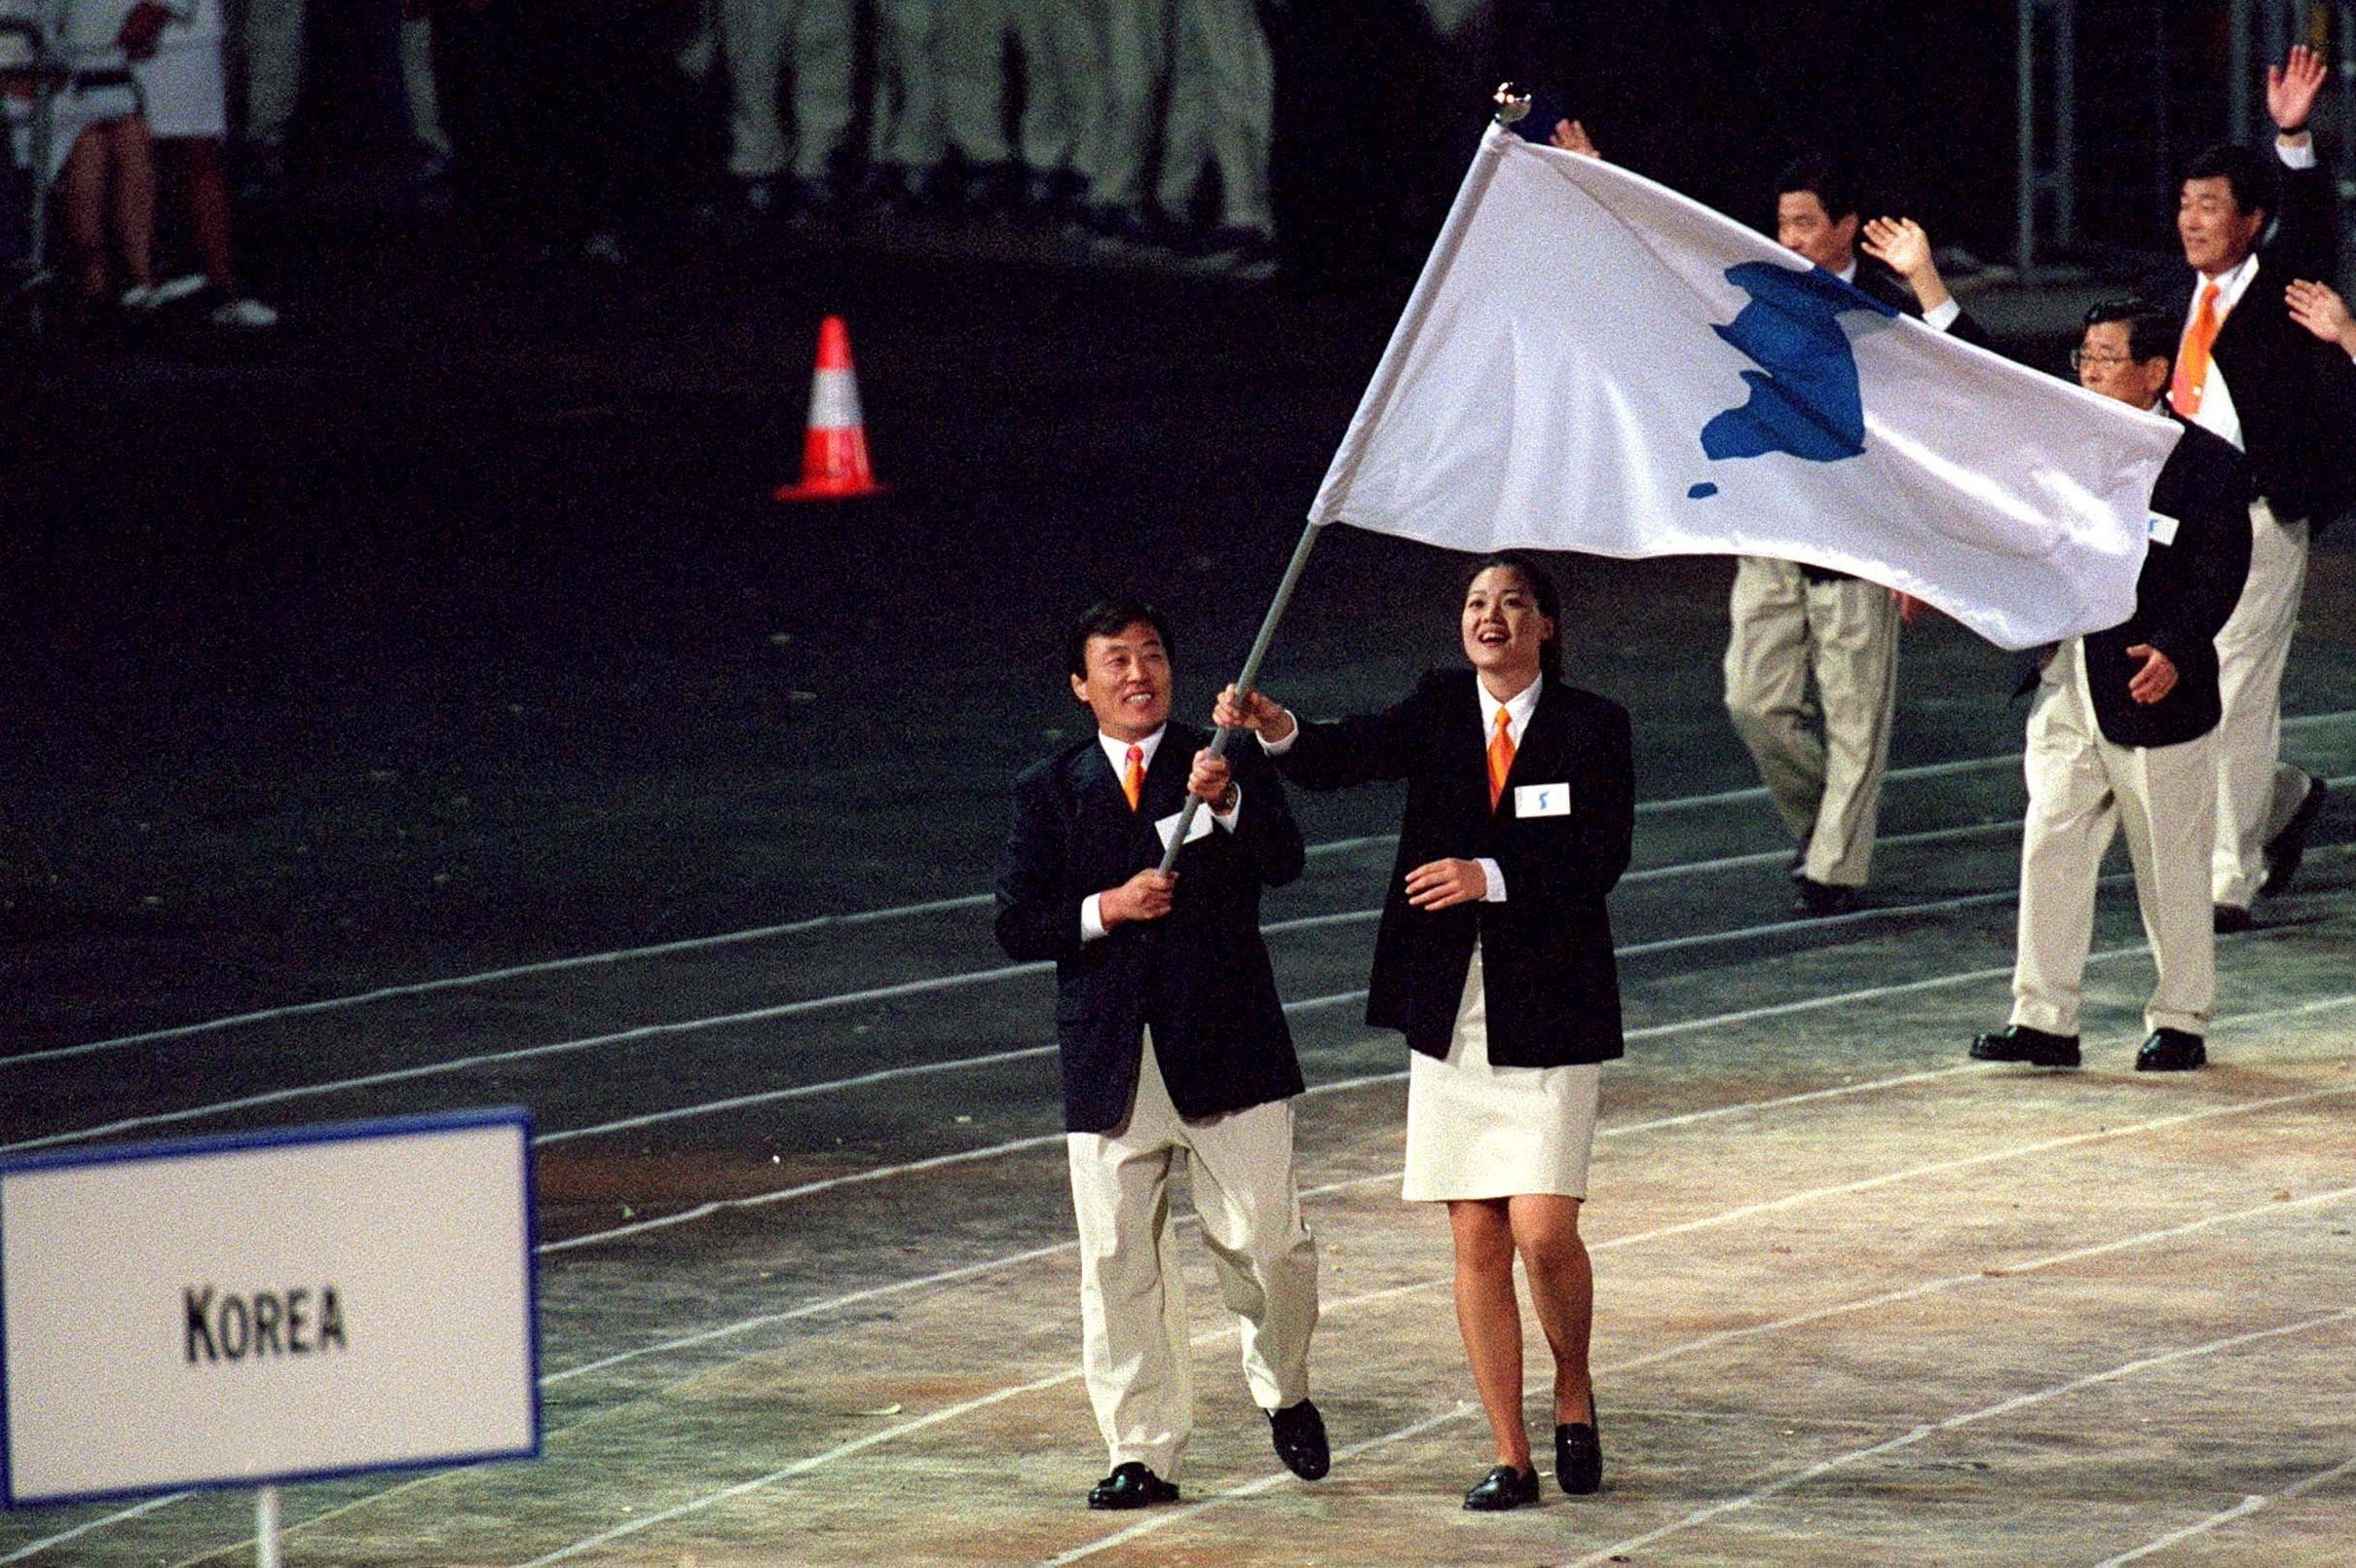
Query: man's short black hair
column 2250, row 177
column 1109, row 617
column 2151, row 335
column 1822, row 177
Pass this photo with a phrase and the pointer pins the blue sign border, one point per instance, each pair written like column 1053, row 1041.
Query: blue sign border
column 385, row 1127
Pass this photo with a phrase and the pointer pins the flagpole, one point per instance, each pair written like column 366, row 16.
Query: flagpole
column 1511, row 105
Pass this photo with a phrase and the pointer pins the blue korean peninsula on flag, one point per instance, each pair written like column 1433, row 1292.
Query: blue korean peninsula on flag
column 1592, row 362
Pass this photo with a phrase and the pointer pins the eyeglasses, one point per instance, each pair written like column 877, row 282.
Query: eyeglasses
column 2080, row 359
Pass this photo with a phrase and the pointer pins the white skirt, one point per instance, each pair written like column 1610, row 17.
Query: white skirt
column 1477, row 1131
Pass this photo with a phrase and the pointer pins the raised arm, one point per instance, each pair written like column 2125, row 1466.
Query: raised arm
column 1903, row 246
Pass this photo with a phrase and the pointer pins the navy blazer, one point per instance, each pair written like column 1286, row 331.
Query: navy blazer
column 1199, row 977
column 1552, row 987
column 2295, row 394
column 2187, row 590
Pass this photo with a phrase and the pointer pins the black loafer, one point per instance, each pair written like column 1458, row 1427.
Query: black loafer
column 1299, row 1435
column 2172, row 1050
column 2229, row 919
column 1819, row 901
column 1131, row 1486
column 1579, row 1454
column 1503, row 1488
column 2018, row 1042
column 2284, row 849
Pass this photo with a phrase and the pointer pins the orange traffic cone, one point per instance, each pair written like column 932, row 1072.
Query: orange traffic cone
column 834, row 454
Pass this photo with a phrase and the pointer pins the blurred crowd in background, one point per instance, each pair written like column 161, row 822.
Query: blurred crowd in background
column 1222, row 136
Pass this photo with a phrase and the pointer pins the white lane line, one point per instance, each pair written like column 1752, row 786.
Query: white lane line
column 828, row 1304
column 855, row 1179
column 1750, row 1015
column 1185, row 1512
column 936, row 906
column 972, row 976
column 1001, row 1264
column 486, row 977
column 879, row 994
column 35, row 1547
column 1007, row 1262
column 1928, row 1430
column 2272, row 1206
column 483, row 1058
column 1208, row 1336
column 2246, row 1507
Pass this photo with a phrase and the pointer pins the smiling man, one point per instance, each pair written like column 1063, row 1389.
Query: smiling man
column 2256, row 236
column 1175, row 1049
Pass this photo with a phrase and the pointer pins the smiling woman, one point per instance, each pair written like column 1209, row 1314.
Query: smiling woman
column 1495, row 959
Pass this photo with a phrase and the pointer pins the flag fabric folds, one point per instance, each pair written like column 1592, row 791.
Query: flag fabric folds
column 1593, row 362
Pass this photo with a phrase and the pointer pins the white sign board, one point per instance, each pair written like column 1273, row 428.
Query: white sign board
column 267, row 1307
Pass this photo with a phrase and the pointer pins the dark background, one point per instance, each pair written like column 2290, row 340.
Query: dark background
column 456, row 626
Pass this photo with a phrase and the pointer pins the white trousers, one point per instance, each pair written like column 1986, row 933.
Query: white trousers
column 755, row 35
column 2256, row 791
column 1222, row 108
column 1132, row 1294
column 2082, row 789
column 1844, row 634
column 906, row 130
column 417, row 81
column 1134, row 38
column 272, row 38
column 1063, row 80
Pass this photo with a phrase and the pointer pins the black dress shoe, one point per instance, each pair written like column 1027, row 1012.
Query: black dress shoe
column 2172, row 1050
column 1299, row 1435
column 2018, row 1042
column 1503, row 1488
column 2229, row 919
column 2284, row 849
column 1820, row 900
column 1131, row 1486
column 1579, row 1454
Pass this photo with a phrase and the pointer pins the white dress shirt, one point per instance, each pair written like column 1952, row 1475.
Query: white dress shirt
column 2216, row 414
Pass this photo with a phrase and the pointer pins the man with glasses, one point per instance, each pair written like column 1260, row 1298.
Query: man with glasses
column 2123, row 734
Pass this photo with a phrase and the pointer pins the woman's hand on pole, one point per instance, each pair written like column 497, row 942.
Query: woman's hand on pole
column 1254, row 711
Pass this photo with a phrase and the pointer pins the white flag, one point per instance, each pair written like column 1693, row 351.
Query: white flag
column 1593, row 362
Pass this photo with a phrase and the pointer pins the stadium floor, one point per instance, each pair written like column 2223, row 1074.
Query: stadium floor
column 438, row 719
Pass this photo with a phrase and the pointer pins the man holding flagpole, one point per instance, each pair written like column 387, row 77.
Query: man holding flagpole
column 1174, row 1047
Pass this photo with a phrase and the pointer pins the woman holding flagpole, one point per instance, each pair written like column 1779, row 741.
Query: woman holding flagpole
column 1494, row 958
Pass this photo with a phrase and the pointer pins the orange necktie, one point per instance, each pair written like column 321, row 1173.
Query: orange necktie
column 2192, row 360
column 1133, row 782
column 1501, row 757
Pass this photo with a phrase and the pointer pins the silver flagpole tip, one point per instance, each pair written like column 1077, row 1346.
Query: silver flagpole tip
column 1512, row 103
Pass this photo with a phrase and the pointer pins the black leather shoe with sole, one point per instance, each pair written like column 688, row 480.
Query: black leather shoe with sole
column 1133, row 1485
column 2172, row 1050
column 1299, row 1435
column 2018, row 1042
